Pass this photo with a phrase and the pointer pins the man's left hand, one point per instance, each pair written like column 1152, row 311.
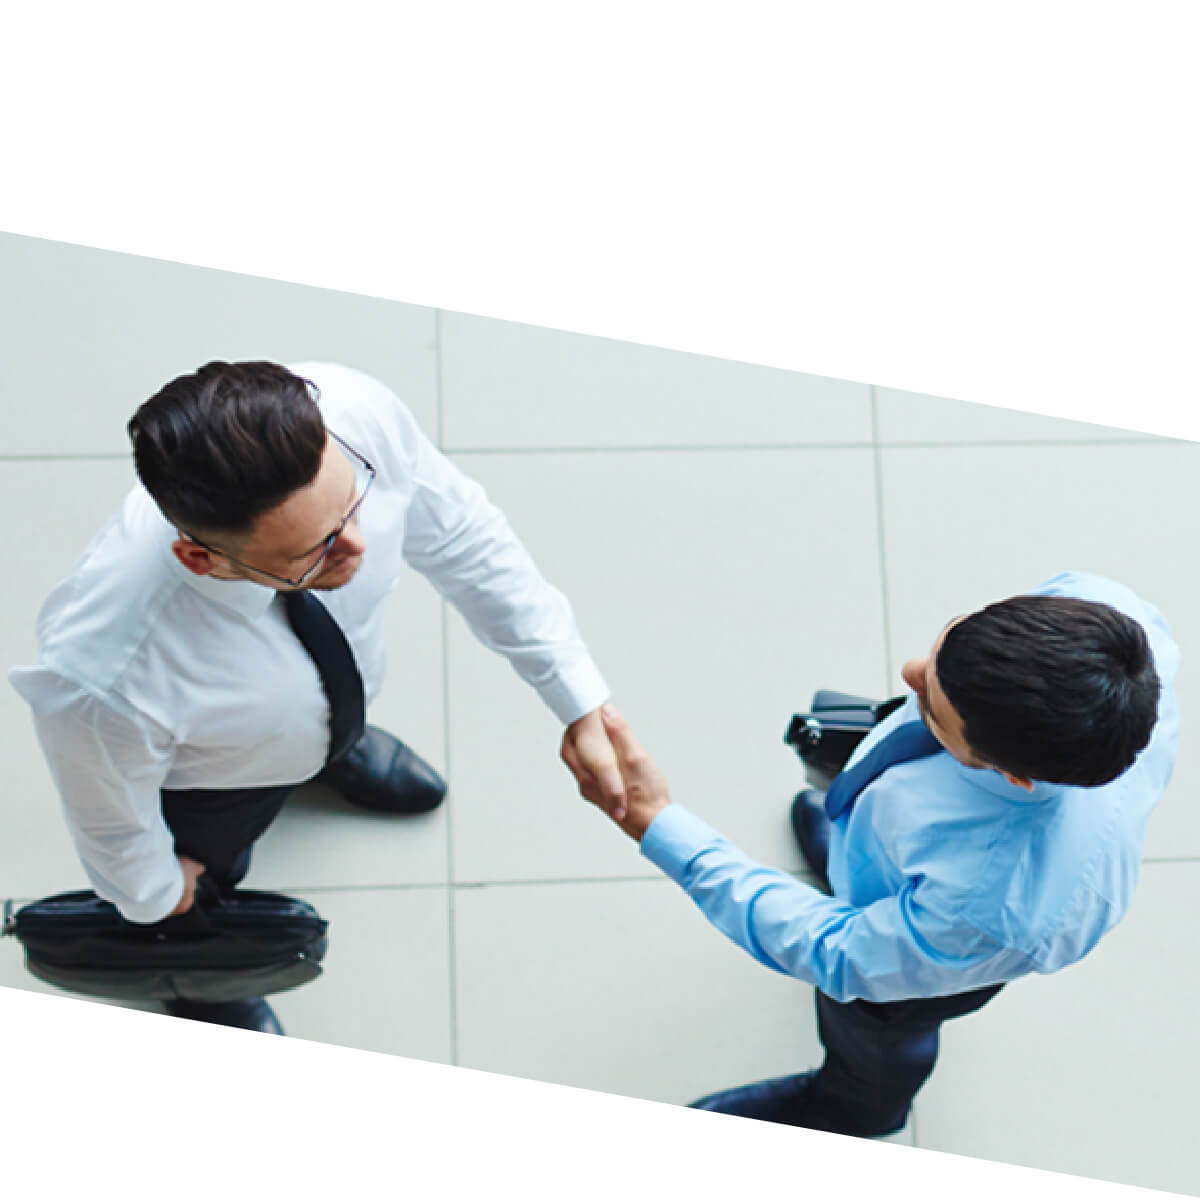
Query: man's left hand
column 590, row 757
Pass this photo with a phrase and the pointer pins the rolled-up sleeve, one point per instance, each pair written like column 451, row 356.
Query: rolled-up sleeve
column 895, row 949
column 108, row 767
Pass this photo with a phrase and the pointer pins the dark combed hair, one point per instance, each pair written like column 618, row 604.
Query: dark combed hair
column 1052, row 688
column 220, row 447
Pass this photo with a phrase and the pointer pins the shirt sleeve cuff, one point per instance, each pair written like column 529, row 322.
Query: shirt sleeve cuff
column 575, row 691
column 159, row 906
column 674, row 838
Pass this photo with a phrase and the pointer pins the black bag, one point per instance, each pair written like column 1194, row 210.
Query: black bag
column 826, row 737
column 232, row 947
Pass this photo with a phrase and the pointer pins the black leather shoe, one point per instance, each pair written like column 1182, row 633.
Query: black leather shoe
column 783, row 1101
column 254, row 1014
column 811, row 827
column 382, row 774
column 790, row 1100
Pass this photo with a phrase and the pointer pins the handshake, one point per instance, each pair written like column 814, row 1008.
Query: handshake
column 613, row 771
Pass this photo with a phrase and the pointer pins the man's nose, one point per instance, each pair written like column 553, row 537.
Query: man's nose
column 913, row 673
column 349, row 543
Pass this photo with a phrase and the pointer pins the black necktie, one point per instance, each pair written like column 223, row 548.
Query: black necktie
column 905, row 743
column 326, row 644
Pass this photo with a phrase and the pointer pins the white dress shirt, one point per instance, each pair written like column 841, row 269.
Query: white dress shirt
column 151, row 677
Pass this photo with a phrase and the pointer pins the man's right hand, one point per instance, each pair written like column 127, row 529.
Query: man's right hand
column 646, row 791
column 192, row 870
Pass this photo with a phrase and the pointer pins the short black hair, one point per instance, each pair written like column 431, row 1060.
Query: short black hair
column 227, row 443
column 1052, row 688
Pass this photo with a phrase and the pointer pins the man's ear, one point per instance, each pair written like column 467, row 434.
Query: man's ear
column 195, row 557
column 1017, row 780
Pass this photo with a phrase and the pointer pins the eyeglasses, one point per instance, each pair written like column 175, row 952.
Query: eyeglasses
column 364, row 475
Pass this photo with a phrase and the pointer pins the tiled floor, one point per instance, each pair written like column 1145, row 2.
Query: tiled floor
column 731, row 538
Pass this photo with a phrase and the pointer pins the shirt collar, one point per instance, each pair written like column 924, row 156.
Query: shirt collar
column 240, row 595
column 992, row 781
column 248, row 599
column 987, row 778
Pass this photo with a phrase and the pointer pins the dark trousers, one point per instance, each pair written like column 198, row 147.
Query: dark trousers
column 877, row 1056
column 218, row 827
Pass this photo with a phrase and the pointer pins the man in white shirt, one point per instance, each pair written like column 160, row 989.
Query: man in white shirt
column 187, row 677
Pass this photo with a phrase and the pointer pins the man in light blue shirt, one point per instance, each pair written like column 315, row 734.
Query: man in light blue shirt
column 990, row 827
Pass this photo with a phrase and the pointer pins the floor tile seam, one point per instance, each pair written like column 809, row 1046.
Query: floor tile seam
column 883, row 444
column 451, row 913
column 291, row 889
column 464, row 885
column 653, row 448
column 451, row 952
column 553, row 881
column 437, row 379
column 357, row 888
column 881, row 537
column 458, row 885
column 433, row 885
column 103, row 457
column 1049, row 443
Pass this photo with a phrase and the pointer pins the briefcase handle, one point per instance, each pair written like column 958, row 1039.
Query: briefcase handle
column 827, row 735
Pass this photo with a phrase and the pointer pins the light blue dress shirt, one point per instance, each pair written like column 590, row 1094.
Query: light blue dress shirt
column 945, row 878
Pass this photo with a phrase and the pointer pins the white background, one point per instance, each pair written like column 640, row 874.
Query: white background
column 990, row 202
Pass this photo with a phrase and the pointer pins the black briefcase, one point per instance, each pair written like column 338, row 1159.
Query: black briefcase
column 826, row 737
column 231, row 947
